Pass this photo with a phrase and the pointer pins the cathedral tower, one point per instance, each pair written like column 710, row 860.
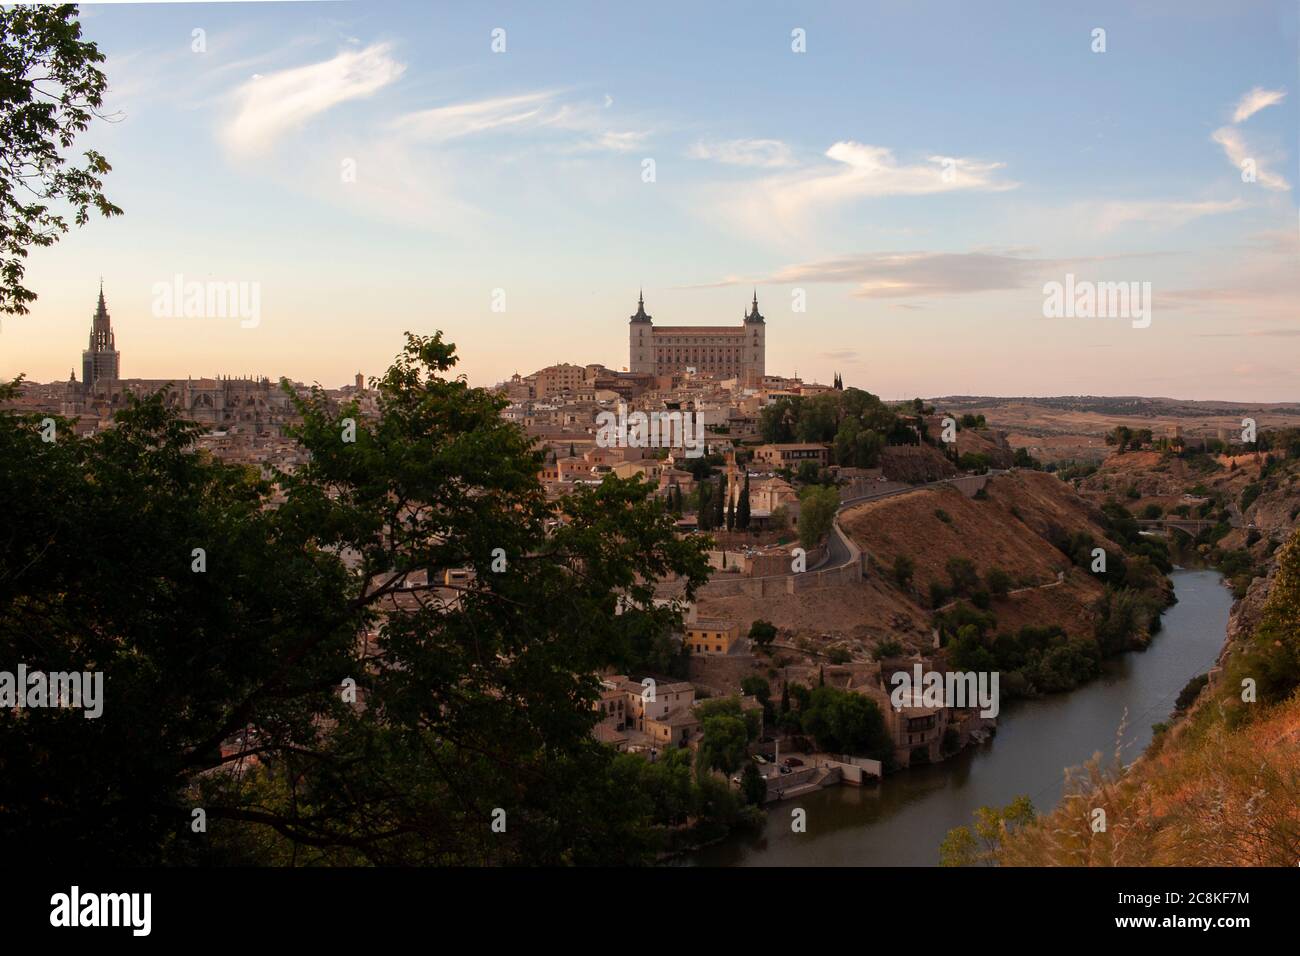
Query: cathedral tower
column 101, row 361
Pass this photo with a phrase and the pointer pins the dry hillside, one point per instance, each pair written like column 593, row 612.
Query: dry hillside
column 1222, row 787
column 987, row 532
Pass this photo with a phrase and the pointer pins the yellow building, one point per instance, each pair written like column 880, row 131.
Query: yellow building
column 711, row 636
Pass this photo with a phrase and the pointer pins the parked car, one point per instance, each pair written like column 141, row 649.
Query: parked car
column 793, row 762
column 786, row 770
column 759, row 758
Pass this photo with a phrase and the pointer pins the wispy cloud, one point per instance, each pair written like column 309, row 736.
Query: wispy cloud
column 481, row 116
column 919, row 274
column 1238, row 152
column 1254, row 101
column 766, row 153
column 785, row 203
column 1112, row 215
column 270, row 105
column 522, row 113
column 887, row 275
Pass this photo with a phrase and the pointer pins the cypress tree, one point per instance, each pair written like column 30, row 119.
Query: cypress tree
column 719, row 506
column 742, row 510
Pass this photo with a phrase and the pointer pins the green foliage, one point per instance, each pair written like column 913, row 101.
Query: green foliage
column 886, row 649
column 961, row 571
column 50, row 89
column 1272, row 656
column 1249, row 494
column 742, row 509
column 998, row 582
column 1022, row 459
column 846, row 722
column 724, row 742
column 903, row 569
column 779, row 419
column 817, row 507
column 1191, row 690
column 1124, row 619
column 752, row 785
column 469, row 705
column 961, row 847
column 762, row 633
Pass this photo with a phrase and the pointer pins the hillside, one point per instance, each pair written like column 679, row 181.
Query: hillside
column 1019, row 526
column 1222, row 787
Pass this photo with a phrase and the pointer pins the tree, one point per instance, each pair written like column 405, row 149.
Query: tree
column 965, row 579
column 903, row 568
column 722, row 746
column 762, row 633
column 704, row 513
column 742, row 510
column 461, row 707
column 731, row 514
column 719, row 503
column 962, row 848
column 50, row 90
column 998, row 582
column 778, row 420
column 757, row 687
column 817, row 507
column 846, row 722
column 753, row 786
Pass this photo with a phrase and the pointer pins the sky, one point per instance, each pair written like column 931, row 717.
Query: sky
column 899, row 192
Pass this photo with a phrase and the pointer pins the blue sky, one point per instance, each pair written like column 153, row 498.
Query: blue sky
column 820, row 172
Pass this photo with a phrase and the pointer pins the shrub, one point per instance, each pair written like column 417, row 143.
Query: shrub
column 998, row 582
column 903, row 568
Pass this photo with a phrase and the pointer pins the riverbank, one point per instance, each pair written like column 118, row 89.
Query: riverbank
column 901, row 821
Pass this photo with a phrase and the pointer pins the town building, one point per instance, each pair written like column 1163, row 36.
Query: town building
column 791, row 455
column 709, row 636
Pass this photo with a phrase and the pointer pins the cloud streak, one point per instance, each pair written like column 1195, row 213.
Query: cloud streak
column 1238, row 153
column 537, row 111
column 1254, row 101
column 271, row 105
column 786, row 202
column 765, row 153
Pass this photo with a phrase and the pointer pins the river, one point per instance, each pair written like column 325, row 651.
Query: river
column 901, row 821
